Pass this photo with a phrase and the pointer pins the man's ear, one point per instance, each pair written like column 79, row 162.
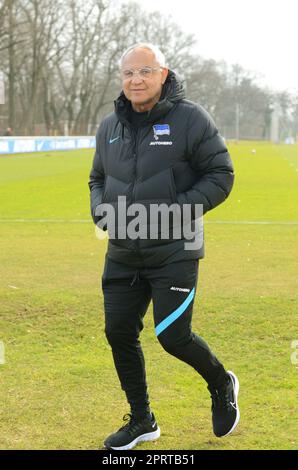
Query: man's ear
column 164, row 74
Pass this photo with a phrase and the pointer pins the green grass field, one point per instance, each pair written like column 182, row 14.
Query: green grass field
column 58, row 387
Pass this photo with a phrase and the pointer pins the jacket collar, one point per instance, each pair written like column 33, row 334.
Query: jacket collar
column 172, row 92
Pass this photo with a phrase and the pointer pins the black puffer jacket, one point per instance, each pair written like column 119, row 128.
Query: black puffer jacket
column 187, row 164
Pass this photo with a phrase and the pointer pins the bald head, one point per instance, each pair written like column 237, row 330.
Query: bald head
column 158, row 55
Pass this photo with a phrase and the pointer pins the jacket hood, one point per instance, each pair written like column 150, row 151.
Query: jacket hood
column 173, row 91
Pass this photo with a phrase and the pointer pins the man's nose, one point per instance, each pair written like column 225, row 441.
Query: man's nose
column 136, row 79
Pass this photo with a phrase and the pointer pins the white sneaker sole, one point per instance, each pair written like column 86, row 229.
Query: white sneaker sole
column 150, row 436
column 236, row 391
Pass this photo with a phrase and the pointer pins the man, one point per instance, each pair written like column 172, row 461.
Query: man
column 157, row 147
column 8, row 132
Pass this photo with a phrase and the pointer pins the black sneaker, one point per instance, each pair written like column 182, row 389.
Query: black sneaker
column 225, row 410
column 133, row 432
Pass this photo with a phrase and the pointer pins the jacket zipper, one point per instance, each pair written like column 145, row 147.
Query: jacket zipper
column 135, row 137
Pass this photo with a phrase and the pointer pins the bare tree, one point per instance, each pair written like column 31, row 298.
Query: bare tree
column 205, row 83
column 286, row 106
column 43, row 25
column 10, row 39
column 60, row 62
column 87, row 69
column 295, row 117
column 242, row 108
column 4, row 7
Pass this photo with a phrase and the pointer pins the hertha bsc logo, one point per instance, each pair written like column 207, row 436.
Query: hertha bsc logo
column 161, row 129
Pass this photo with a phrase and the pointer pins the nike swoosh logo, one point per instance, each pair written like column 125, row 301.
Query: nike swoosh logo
column 113, row 140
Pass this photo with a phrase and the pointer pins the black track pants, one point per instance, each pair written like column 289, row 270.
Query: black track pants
column 127, row 294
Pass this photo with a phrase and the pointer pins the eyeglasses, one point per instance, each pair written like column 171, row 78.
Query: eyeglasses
column 145, row 72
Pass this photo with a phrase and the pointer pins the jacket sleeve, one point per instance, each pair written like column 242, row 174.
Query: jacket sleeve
column 96, row 179
column 210, row 160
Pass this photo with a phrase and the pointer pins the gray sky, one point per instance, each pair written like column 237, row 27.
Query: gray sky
column 260, row 35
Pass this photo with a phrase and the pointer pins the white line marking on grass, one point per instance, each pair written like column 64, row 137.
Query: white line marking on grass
column 89, row 221
column 252, row 222
column 45, row 221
